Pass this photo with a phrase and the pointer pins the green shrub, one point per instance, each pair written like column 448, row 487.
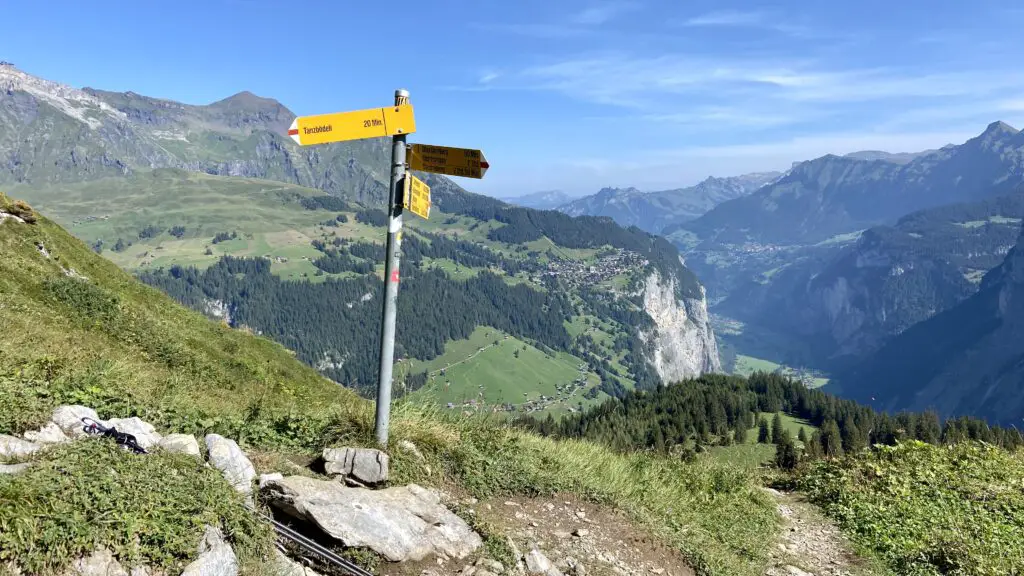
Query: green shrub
column 928, row 510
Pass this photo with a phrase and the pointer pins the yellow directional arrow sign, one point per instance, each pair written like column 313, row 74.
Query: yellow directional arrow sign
column 355, row 125
column 416, row 197
column 446, row 160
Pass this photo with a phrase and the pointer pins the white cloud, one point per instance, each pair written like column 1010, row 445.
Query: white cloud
column 600, row 13
column 488, row 76
column 726, row 18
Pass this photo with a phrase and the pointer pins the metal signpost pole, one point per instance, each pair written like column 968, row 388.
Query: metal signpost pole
column 391, row 276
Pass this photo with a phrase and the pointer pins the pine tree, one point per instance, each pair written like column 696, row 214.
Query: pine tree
column 831, row 440
column 741, row 431
column 802, row 436
column 852, row 440
column 777, row 428
column 763, row 432
column 659, row 440
column 786, row 456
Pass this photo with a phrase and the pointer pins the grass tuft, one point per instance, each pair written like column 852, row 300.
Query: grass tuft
column 146, row 509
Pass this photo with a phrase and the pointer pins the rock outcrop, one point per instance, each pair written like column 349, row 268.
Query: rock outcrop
column 216, row 558
column 402, row 524
column 682, row 341
column 12, row 447
column 226, row 456
column 180, row 444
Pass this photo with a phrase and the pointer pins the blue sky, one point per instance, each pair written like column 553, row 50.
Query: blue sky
column 570, row 94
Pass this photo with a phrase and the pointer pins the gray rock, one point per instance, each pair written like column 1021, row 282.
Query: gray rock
column 12, row 468
column 226, row 456
column 49, row 434
column 794, row 571
column 401, row 523
column 180, row 444
column 266, row 478
column 216, row 558
column 538, row 563
column 100, row 563
column 366, row 465
column 144, row 432
column 13, row 447
column 69, row 419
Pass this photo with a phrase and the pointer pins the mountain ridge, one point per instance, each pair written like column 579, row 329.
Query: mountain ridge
column 661, row 210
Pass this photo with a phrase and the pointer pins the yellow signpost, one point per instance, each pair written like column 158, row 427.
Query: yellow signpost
column 355, row 125
column 396, row 121
column 446, row 160
column 416, row 198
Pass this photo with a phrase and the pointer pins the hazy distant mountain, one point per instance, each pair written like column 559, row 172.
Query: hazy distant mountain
column 964, row 361
column 655, row 211
column 545, row 200
column 891, row 278
column 897, row 158
column 838, row 194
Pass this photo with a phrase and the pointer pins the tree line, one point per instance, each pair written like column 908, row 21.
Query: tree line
column 719, row 409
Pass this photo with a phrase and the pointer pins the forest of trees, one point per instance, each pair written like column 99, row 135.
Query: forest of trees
column 711, row 409
column 339, row 319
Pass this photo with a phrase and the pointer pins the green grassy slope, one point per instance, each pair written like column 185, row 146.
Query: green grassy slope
column 125, row 349
column 479, row 374
column 929, row 510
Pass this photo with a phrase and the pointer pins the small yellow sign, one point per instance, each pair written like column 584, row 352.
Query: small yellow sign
column 416, row 197
column 445, row 160
column 355, row 125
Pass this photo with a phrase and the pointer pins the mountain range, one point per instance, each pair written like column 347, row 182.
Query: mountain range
column 215, row 205
column 968, row 359
column 656, row 211
column 544, row 200
column 833, row 195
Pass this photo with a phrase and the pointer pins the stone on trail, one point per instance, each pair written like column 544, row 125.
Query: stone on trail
column 49, row 434
column 402, row 523
column 180, row 444
column 538, row 563
column 144, row 432
column 13, row 447
column 216, row 558
column 69, row 419
column 226, row 456
column 366, row 465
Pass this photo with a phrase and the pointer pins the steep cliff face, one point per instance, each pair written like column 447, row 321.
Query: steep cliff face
column 682, row 341
column 968, row 360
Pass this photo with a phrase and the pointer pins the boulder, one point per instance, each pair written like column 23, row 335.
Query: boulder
column 69, row 419
column 180, row 444
column 13, row 447
column 216, row 558
column 49, row 434
column 12, row 468
column 402, row 523
column 226, row 456
column 366, row 465
column 100, row 563
column 144, row 432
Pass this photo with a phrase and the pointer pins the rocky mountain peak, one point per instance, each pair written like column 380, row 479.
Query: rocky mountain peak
column 74, row 102
column 247, row 101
